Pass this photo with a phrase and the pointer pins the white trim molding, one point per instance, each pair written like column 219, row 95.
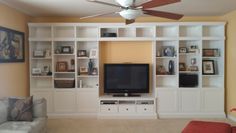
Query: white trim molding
column 232, row 118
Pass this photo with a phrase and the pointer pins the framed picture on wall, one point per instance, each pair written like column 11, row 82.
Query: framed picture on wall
column 11, row 45
column 208, row 67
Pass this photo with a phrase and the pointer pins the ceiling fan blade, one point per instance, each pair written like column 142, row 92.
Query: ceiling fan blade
column 104, row 3
column 156, row 3
column 163, row 14
column 127, row 21
column 97, row 15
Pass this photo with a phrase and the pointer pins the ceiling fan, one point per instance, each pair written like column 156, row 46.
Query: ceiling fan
column 130, row 11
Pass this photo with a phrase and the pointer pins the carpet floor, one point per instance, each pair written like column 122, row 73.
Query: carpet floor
column 92, row 125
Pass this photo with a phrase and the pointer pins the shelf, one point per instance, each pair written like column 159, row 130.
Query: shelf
column 189, row 54
column 212, row 57
column 87, row 76
column 213, row 38
column 166, row 75
column 40, row 39
column 194, row 72
column 85, row 58
column 34, row 76
column 63, row 39
column 167, row 39
column 64, row 54
column 47, row 58
column 165, row 57
column 86, row 39
column 166, row 87
column 189, row 38
column 213, row 75
column 64, row 72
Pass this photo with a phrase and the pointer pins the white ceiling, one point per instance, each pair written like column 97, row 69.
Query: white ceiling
column 79, row 8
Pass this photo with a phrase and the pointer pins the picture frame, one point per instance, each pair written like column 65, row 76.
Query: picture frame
column 208, row 67
column 210, row 52
column 38, row 53
column 66, row 50
column 11, row 45
column 183, row 50
column 81, row 53
column 93, row 53
column 36, row 71
column 83, row 70
column 168, row 51
column 62, row 66
column 182, row 66
column 94, row 71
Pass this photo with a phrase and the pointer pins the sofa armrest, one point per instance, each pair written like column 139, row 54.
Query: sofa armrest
column 39, row 108
column 3, row 110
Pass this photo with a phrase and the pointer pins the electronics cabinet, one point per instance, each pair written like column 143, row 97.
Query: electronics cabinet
column 122, row 107
column 65, row 62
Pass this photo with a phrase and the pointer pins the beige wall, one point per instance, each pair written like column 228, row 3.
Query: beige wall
column 230, row 61
column 14, row 79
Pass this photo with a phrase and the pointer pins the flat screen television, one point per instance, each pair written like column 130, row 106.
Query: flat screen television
column 126, row 78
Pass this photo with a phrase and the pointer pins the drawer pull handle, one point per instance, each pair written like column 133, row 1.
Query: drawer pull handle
column 145, row 109
column 127, row 109
column 109, row 109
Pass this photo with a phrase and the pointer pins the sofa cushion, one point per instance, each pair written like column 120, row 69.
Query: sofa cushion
column 39, row 108
column 207, row 127
column 38, row 125
column 20, row 109
column 3, row 110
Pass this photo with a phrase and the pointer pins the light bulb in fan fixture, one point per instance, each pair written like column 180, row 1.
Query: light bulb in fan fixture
column 125, row 3
column 130, row 13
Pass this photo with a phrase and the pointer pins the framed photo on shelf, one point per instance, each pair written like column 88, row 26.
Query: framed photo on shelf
column 182, row 67
column 11, row 45
column 62, row 66
column 208, row 67
column 39, row 53
column 210, row 52
column 93, row 53
column 82, row 53
column 66, row 50
column 95, row 71
column 182, row 50
column 83, row 70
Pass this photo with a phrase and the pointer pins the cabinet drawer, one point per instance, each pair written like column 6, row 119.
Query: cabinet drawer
column 109, row 108
column 127, row 108
column 145, row 108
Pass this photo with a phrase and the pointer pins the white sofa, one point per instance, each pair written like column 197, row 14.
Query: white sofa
column 38, row 125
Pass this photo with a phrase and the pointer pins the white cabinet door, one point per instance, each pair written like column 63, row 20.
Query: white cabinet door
column 65, row 101
column 87, row 100
column 47, row 94
column 190, row 100
column 167, row 101
column 213, row 100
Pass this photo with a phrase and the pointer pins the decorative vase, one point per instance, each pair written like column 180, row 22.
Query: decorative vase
column 90, row 66
column 171, row 67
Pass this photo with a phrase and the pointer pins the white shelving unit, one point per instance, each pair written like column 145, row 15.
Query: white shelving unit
column 166, row 98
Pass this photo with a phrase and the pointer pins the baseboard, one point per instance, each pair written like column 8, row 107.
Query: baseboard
column 232, row 118
column 192, row 115
column 73, row 115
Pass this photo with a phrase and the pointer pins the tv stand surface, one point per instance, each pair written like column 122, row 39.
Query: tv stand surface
column 126, row 95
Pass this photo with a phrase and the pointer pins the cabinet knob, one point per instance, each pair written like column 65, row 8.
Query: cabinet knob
column 127, row 109
column 109, row 109
column 145, row 109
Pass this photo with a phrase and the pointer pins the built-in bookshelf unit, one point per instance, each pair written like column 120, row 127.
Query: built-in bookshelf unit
column 187, row 69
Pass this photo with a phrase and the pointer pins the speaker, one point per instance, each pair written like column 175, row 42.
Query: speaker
column 188, row 80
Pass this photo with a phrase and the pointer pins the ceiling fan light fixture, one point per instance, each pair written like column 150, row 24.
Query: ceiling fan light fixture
column 125, row 3
column 130, row 14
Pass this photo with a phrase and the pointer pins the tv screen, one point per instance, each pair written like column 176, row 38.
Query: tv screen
column 126, row 78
